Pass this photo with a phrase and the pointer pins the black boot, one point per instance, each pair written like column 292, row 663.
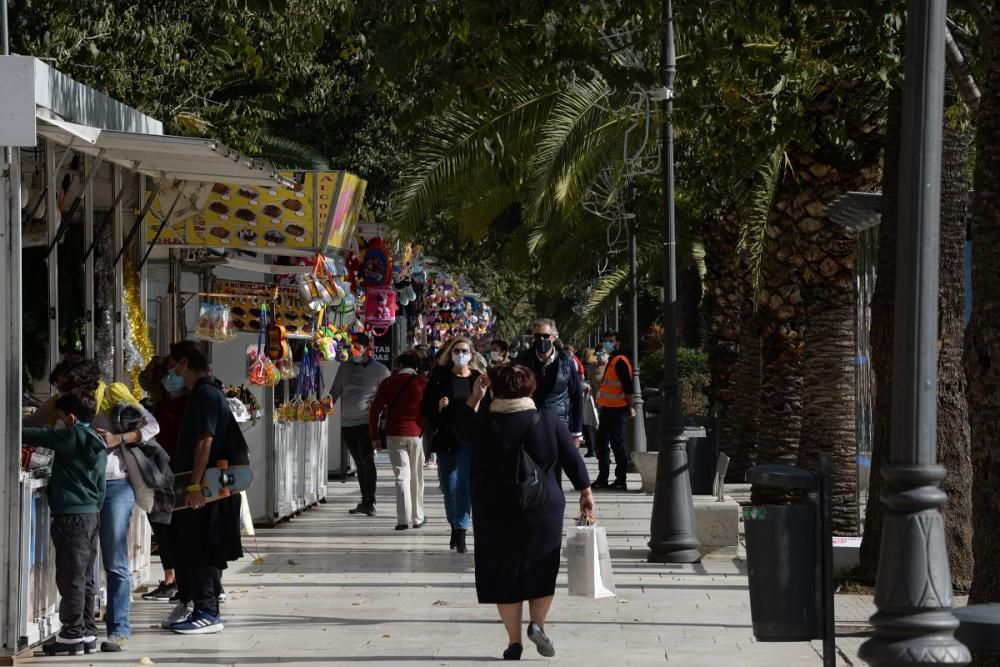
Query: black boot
column 460, row 541
column 454, row 538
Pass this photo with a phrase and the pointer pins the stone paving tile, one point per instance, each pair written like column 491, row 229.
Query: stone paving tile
column 335, row 589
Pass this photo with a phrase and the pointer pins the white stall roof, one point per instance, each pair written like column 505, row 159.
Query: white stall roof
column 182, row 158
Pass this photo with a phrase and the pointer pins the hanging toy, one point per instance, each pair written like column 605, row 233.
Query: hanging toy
column 377, row 264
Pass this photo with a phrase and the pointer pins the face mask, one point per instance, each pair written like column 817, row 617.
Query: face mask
column 609, row 346
column 496, row 356
column 172, row 382
column 358, row 358
column 60, row 425
column 543, row 346
column 461, row 359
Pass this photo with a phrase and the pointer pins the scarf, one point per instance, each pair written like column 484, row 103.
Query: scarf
column 508, row 405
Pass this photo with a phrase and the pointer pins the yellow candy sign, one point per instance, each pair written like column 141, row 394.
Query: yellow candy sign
column 320, row 211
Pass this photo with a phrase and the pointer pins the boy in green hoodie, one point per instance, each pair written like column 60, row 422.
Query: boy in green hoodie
column 76, row 494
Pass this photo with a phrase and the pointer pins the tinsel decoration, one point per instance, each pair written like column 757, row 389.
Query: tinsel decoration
column 104, row 301
column 138, row 347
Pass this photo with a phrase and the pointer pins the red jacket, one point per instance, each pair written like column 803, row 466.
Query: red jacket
column 404, row 391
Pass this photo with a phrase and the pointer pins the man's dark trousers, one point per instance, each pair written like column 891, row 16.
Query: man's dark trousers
column 359, row 444
column 74, row 537
column 199, row 582
column 612, row 431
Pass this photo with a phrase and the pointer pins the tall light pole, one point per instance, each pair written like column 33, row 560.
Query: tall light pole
column 638, row 431
column 914, row 624
column 671, row 528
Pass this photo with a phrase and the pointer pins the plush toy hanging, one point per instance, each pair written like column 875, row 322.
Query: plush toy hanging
column 380, row 309
column 376, row 268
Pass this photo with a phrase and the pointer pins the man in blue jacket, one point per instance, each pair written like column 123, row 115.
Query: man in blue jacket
column 559, row 388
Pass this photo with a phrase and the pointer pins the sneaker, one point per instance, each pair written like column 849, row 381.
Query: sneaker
column 589, row 455
column 421, row 524
column 163, row 591
column 115, row 644
column 366, row 510
column 199, row 623
column 619, row 485
column 222, row 598
column 402, row 526
column 360, row 509
column 541, row 640
column 61, row 646
column 600, row 484
column 180, row 613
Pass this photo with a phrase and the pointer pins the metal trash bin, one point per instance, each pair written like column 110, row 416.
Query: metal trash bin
column 702, row 456
column 783, row 559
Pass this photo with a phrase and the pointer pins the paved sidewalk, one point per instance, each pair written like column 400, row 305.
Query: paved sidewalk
column 334, row 589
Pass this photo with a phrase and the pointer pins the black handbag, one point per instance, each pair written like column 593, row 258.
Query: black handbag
column 529, row 478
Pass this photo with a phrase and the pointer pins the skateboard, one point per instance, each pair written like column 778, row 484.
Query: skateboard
column 219, row 482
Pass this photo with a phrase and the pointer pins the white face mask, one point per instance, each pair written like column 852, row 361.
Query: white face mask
column 461, row 358
column 496, row 356
column 60, row 425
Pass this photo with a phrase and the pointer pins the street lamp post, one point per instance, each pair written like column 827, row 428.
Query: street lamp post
column 639, row 421
column 914, row 624
column 671, row 528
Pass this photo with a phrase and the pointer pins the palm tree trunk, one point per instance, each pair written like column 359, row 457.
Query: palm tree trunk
column 724, row 291
column 883, row 309
column 780, row 318
column 953, row 409
column 829, row 398
column 952, row 429
column 744, row 426
column 982, row 341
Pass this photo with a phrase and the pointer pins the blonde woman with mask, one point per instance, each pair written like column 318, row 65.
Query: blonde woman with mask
column 450, row 386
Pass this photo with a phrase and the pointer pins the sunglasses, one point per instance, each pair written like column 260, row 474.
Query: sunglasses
column 543, row 336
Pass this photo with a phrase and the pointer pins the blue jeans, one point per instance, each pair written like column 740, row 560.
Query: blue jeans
column 454, row 470
column 116, row 515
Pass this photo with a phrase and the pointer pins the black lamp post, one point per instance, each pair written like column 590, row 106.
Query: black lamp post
column 914, row 624
column 638, row 431
column 671, row 528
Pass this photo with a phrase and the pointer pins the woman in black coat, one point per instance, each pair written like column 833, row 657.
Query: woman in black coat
column 517, row 552
column 450, row 386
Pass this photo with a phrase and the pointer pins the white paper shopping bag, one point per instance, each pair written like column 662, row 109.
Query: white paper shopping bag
column 589, row 563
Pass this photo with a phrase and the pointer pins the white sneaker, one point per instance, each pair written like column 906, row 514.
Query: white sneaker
column 180, row 613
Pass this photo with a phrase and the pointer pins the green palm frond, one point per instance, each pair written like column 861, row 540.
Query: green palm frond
column 578, row 111
column 288, row 154
column 757, row 211
column 460, row 150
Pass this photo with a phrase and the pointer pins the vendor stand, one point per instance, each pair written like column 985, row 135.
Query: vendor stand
column 246, row 245
column 81, row 173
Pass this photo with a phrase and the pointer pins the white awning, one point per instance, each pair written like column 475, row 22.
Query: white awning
column 181, row 158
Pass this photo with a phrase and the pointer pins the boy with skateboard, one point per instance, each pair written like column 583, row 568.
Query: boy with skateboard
column 207, row 534
column 75, row 494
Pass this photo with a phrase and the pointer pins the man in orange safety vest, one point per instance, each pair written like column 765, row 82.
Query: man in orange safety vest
column 615, row 402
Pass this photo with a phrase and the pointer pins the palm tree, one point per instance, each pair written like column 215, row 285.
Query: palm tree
column 827, row 250
column 982, row 338
column 953, row 409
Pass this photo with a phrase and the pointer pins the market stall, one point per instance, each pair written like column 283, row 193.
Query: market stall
column 256, row 251
column 81, row 173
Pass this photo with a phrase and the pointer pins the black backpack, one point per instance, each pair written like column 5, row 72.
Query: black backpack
column 529, row 478
column 235, row 450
